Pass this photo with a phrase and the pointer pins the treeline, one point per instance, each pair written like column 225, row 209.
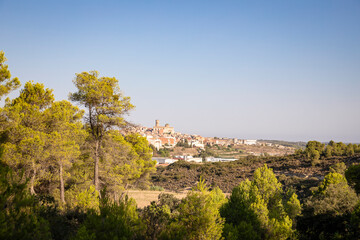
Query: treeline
column 315, row 151
column 295, row 145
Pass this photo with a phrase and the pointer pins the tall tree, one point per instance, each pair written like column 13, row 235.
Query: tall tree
column 105, row 106
column 26, row 141
column 63, row 122
column 6, row 83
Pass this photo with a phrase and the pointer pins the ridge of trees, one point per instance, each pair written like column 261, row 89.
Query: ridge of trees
column 315, row 151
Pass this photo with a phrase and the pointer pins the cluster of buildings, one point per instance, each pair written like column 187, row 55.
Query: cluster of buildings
column 166, row 137
column 164, row 160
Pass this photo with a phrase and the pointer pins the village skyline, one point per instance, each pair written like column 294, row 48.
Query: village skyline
column 165, row 136
column 159, row 135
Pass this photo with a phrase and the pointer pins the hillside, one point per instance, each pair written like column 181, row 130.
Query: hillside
column 290, row 170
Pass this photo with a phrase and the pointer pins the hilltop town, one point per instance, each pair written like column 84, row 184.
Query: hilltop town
column 190, row 146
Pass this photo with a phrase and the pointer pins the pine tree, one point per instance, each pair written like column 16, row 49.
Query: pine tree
column 198, row 216
column 105, row 106
column 259, row 209
column 25, row 147
column 328, row 211
column 6, row 83
column 65, row 132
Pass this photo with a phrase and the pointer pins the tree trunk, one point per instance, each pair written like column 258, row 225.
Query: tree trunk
column 32, row 182
column 62, row 188
column 96, row 168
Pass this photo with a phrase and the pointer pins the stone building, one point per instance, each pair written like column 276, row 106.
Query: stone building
column 162, row 130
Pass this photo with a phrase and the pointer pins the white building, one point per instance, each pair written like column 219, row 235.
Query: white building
column 250, row 142
column 197, row 160
column 163, row 160
column 213, row 159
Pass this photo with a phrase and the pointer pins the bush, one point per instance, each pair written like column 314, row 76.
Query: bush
column 156, row 188
column 19, row 216
column 116, row 220
column 198, row 216
column 327, row 213
column 158, row 215
column 353, row 176
column 259, row 209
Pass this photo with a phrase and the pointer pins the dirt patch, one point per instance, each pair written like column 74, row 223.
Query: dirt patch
column 144, row 198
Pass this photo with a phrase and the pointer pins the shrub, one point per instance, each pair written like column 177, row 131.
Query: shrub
column 156, row 188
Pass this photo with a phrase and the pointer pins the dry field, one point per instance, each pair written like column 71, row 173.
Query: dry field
column 144, row 198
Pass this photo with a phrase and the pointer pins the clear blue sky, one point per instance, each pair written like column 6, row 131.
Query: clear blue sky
column 249, row 69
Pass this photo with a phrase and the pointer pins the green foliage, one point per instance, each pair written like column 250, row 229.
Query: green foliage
column 338, row 149
column 332, row 178
column 328, row 151
column 19, row 215
column 292, row 205
column 169, row 200
column 262, row 205
column 156, row 188
column 198, row 216
column 6, row 83
column 315, row 145
column 43, row 137
column 349, row 150
column 315, row 150
column 158, row 215
column 143, row 158
column 115, row 220
column 183, row 143
column 102, row 98
column 63, row 222
column 105, row 106
column 355, row 220
column 327, row 213
column 338, row 168
column 126, row 161
column 239, row 214
column 36, row 95
column 206, row 153
column 88, row 199
column 334, row 195
column 353, row 177
column 65, row 134
column 25, row 148
column 163, row 152
column 336, row 199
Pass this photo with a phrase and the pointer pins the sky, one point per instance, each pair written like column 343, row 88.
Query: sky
column 285, row 70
